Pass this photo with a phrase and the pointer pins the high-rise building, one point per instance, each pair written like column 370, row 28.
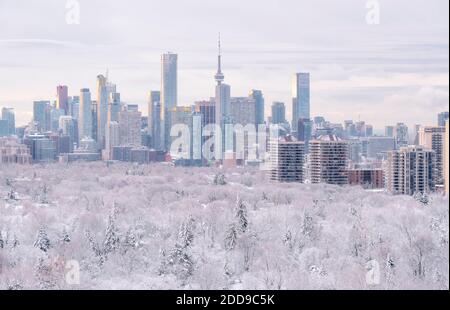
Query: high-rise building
column 74, row 106
column 286, row 160
column 304, row 132
column 433, row 138
column 154, row 119
column 130, row 127
column 329, row 160
column 62, row 99
column 369, row 130
column 377, row 147
column 42, row 149
column 278, row 113
column 85, row 115
column 446, row 159
column 258, row 97
column 40, row 114
column 9, row 116
column 389, row 131
column 442, row 118
column 300, row 98
column 102, row 109
column 416, row 134
column 401, row 135
column 169, row 91
column 242, row 111
column 94, row 118
column 410, row 170
column 67, row 126
column 112, row 138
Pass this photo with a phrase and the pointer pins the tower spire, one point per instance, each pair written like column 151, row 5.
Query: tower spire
column 219, row 75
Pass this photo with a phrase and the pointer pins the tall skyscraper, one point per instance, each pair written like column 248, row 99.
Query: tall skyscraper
column 286, row 160
column 9, row 116
column 169, row 91
column 329, row 160
column 442, row 118
column 104, row 97
column 112, row 138
column 40, row 114
column 389, row 131
column 68, row 128
column 278, row 113
column 258, row 97
column 410, row 170
column 304, row 132
column 446, row 159
column 223, row 102
column 85, row 114
column 433, row 138
column 401, row 135
column 62, row 99
column 154, row 99
column 300, row 98
column 130, row 127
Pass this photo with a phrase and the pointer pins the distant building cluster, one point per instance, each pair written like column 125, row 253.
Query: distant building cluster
column 92, row 125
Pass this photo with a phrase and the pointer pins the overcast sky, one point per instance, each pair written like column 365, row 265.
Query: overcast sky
column 397, row 70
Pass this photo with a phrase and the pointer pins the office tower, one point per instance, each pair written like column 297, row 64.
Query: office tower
column 67, row 126
column 74, row 106
column 169, row 91
column 112, row 138
column 377, row 147
column 55, row 114
column 258, row 97
column 410, row 170
column 360, row 128
column 4, row 128
column 130, row 127
column 304, row 132
column 42, row 148
column 401, row 135
column 369, row 130
column 101, row 112
column 278, row 113
column 416, row 134
column 207, row 109
column 242, row 111
column 350, row 129
column 223, row 101
column 442, row 118
column 94, row 118
column 300, row 98
column 154, row 98
column 85, row 115
column 180, row 116
column 114, row 107
column 286, row 160
column 62, row 99
column 9, row 117
column 433, row 138
column 446, row 159
column 354, row 150
column 329, row 160
column 389, row 131
column 40, row 115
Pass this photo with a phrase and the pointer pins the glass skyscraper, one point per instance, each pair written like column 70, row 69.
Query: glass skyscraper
column 300, row 98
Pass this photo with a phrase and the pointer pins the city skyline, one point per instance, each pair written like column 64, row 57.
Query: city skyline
column 362, row 74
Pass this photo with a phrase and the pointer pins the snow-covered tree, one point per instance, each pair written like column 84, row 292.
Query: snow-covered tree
column 42, row 241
